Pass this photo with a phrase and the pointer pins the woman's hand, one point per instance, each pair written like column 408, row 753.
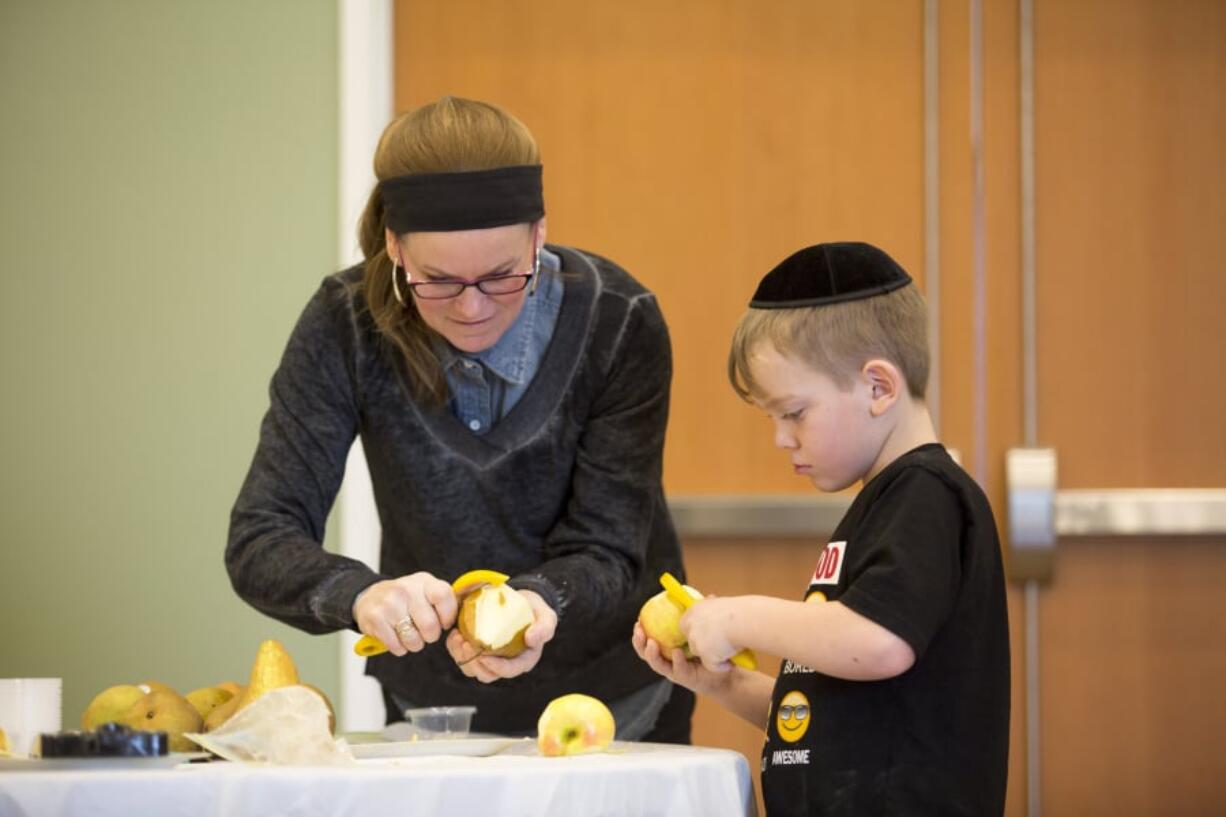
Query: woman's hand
column 690, row 674
column 406, row 613
column 489, row 668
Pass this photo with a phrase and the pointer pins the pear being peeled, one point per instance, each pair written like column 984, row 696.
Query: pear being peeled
column 661, row 620
column 494, row 618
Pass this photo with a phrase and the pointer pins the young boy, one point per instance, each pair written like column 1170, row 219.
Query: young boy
column 893, row 696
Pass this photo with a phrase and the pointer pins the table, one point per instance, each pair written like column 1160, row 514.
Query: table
column 631, row 779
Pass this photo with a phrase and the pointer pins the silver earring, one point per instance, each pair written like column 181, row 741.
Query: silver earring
column 395, row 284
column 536, row 271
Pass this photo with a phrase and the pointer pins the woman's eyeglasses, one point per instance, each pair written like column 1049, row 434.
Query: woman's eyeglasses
column 494, row 285
column 507, row 284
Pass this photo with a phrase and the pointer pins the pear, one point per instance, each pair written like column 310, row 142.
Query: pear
column 4, row 744
column 230, row 686
column 169, row 712
column 206, row 699
column 156, row 686
column 661, row 620
column 110, row 705
column 222, row 712
column 272, row 668
column 494, row 618
column 331, row 710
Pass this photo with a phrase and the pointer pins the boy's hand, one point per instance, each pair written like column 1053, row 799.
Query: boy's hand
column 690, row 674
column 705, row 627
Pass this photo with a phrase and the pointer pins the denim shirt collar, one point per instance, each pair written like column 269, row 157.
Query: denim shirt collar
column 522, row 345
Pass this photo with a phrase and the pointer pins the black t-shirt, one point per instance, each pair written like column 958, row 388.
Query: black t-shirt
column 918, row 554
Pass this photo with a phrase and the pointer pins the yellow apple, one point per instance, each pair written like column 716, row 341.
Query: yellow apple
column 206, row 699
column 661, row 620
column 165, row 711
column 110, row 705
column 573, row 725
column 494, row 618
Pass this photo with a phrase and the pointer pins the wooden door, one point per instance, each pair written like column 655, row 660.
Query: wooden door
column 1130, row 123
column 697, row 143
column 1129, row 203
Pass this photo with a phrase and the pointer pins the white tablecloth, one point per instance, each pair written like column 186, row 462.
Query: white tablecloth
column 632, row 779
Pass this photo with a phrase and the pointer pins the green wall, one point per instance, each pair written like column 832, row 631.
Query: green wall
column 168, row 192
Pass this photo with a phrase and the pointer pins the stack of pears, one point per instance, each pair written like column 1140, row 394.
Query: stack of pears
column 155, row 707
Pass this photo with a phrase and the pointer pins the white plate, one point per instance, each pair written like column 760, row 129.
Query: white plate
column 472, row 746
column 59, row 764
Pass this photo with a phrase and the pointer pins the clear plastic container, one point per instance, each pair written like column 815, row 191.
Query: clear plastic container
column 441, row 721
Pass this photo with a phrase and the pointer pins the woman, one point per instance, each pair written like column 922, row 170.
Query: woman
column 511, row 398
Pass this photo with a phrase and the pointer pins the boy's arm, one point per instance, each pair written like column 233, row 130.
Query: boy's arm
column 826, row 636
column 746, row 693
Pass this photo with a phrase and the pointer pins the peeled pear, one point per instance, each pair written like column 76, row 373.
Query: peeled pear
column 272, row 668
column 494, row 618
column 165, row 711
column 110, row 705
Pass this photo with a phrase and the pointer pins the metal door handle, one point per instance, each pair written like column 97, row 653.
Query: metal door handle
column 1039, row 514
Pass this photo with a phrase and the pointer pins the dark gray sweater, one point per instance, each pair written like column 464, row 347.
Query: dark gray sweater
column 563, row 493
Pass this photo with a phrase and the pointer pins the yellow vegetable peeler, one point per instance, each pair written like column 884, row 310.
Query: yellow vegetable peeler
column 744, row 659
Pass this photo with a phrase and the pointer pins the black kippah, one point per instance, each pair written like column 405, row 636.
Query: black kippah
column 466, row 200
column 829, row 274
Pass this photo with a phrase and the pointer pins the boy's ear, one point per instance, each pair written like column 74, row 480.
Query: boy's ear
column 885, row 383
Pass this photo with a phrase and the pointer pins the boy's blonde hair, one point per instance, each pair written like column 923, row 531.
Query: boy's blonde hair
column 838, row 339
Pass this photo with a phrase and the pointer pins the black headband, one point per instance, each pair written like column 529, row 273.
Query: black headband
column 472, row 200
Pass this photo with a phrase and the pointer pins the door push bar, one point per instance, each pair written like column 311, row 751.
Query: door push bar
column 1039, row 514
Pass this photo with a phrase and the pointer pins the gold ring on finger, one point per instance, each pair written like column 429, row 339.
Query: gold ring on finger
column 404, row 627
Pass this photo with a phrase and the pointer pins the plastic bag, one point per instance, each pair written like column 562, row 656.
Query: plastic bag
column 287, row 726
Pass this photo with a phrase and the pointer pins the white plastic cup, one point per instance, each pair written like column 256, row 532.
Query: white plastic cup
column 29, row 707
